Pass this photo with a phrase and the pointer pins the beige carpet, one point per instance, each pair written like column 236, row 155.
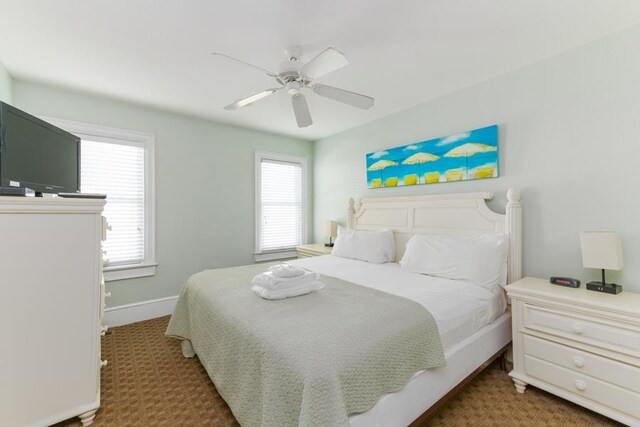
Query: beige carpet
column 149, row 383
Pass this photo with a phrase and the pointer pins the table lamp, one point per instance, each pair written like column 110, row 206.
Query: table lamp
column 331, row 230
column 603, row 250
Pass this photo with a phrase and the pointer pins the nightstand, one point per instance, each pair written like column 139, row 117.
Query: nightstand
column 581, row 345
column 316, row 249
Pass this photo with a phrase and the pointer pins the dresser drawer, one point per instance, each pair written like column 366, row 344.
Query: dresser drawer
column 615, row 337
column 102, row 301
column 585, row 386
column 624, row 375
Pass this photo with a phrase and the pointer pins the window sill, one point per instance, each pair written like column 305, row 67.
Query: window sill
column 122, row 272
column 275, row 255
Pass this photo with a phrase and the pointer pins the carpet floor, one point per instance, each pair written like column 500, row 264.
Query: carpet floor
column 148, row 383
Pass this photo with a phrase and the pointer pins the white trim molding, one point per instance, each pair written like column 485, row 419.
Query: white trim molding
column 275, row 255
column 139, row 311
column 122, row 272
column 283, row 253
column 147, row 142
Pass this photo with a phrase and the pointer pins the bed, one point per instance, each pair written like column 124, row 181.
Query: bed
column 473, row 323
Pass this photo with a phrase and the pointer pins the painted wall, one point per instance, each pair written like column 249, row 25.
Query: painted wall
column 6, row 85
column 204, row 183
column 569, row 139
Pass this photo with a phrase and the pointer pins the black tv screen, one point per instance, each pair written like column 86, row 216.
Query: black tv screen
column 37, row 155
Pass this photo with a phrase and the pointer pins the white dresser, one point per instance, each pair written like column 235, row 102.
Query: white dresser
column 51, row 306
column 581, row 345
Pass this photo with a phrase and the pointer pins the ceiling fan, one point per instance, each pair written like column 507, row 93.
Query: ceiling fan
column 295, row 76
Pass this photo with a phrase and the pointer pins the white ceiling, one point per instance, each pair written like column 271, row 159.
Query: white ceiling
column 156, row 52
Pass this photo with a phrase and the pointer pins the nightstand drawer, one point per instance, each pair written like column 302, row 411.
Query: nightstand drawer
column 590, row 388
column 624, row 375
column 316, row 249
column 615, row 337
column 305, row 255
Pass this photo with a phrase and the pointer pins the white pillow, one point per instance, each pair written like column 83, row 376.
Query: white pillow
column 372, row 246
column 480, row 260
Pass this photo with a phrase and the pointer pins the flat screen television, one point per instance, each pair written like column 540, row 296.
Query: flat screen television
column 37, row 155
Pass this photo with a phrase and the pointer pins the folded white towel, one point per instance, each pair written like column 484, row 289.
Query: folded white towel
column 276, row 294
column 286, row 270
column 270, row 281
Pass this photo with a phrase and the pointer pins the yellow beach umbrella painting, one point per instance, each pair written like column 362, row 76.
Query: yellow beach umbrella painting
column 418, row 159
column 469, row 149
column 481, row 172
column 379, row 166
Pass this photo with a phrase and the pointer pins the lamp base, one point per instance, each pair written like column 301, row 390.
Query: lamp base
column 607, row 288
column 329, row 245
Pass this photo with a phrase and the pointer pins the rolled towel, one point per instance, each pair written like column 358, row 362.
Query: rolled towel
column 286, row 270
column 269, row 281
column 272, row 294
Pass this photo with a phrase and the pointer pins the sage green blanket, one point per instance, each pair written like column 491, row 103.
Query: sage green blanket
column 311, row 360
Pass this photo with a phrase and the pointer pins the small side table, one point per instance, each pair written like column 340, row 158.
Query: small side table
column 581, row 345
column 315, row 249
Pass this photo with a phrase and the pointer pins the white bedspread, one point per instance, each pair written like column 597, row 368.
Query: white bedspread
column 459, row 308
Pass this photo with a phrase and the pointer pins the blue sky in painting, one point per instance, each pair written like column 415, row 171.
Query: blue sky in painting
column 439, row 147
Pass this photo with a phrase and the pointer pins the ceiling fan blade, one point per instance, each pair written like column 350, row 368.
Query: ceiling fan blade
column 269, row 73
column 344, row 96
column 251, row 99
column 325, row 62
column 301, row 110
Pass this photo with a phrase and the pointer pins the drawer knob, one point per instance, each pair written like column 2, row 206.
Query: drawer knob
column 104, row 329
column 577, row 329
column 103, row 363
column 107, row 294
column 580, row 385
column 578, row 361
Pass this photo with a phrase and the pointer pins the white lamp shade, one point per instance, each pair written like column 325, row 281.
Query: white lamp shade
column 601, row 249
column 331, row 229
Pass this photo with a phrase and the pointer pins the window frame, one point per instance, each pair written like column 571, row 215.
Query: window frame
column 132, row 138
column 286, row 158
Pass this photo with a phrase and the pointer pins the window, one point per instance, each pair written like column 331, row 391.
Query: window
column 281, row 187
column 120, row 164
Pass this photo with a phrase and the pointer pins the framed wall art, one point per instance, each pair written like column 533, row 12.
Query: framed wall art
column 460, row 157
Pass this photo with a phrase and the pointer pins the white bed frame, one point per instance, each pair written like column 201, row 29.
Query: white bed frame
column 453, row 214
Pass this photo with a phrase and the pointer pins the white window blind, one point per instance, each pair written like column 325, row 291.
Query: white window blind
column 281, row 207
column 117, row 170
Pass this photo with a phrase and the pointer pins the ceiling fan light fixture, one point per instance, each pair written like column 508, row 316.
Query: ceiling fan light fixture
column 295, row 75
column 294, row 87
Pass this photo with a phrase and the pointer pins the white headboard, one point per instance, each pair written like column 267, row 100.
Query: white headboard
column 458, row 214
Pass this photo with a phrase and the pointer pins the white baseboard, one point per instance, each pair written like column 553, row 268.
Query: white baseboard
column 139, row 311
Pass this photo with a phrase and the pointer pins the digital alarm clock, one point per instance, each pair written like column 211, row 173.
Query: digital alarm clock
column 565, row 281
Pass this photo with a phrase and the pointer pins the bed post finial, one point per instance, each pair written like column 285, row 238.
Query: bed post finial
column 514, row 195
column 514, row 230
column 351, row 211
